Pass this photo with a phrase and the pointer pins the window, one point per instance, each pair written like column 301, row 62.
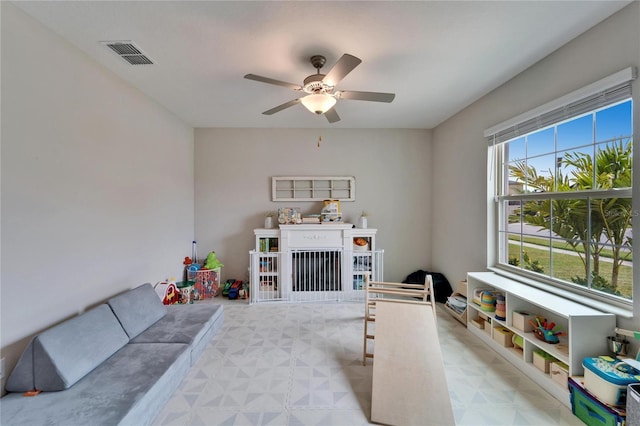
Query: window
column 562, row 181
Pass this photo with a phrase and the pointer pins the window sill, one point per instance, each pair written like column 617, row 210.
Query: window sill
column 596, row 304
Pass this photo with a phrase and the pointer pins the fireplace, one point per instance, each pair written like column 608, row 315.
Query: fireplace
column 312, row 262
column 316, row 270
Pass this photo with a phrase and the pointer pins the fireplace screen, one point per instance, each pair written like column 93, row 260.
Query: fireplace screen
column 317, row 270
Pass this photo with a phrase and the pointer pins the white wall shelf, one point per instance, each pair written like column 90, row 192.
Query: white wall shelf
column 587, row 328
column 313, row 188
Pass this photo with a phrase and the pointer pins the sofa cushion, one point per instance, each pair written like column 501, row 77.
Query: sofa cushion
column 21, row 378
column 182, row 324
column 194, row 325
column 64, row 354
column 129, row 388
column 137, row 309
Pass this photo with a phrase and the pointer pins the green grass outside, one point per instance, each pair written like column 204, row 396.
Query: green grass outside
column 544, row 242
column 566, row 266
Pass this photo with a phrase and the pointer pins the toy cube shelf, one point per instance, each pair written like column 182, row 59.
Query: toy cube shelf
column 587, row 329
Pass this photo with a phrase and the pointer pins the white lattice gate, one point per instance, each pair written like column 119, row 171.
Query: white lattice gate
column 313, row 275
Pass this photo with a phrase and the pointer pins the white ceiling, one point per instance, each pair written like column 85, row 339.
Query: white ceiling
column 437, row 56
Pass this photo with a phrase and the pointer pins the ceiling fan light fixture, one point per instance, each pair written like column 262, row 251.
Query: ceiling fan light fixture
column 318, row 103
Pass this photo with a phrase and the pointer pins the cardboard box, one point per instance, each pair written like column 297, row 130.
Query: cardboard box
column 559, row 372
column 520, row 320
column 542, row 360
column 503, row 336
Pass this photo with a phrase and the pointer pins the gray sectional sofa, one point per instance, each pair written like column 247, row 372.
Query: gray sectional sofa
column 117, row 364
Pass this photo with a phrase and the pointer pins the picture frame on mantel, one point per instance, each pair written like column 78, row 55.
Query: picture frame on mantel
column 289, row 215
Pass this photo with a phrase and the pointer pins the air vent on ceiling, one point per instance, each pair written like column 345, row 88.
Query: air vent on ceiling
column 129, row 52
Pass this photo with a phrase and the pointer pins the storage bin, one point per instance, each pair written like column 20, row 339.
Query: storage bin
column 478, row 323
column 487, row 326
column 207, row 283
column 503, row 336
column 461, row 317
column 590, row 410
column 520, row 320
column 542, row 360
column 607, row 378
column 559, row 372
column 462, row 288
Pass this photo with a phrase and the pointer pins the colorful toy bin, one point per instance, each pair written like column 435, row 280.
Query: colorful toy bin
column 590, row 410
column 607, row 379
column 206, row 281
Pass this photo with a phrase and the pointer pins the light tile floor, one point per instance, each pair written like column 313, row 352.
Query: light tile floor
column 300, row 364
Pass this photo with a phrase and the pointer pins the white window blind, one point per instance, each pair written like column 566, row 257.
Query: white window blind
column 609, row 90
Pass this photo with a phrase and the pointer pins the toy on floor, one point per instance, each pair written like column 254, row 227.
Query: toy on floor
column 212, row 261
column 234, row 290
column 227, row 285
column 168, row 292
column 186, row 292
column 245, row 288
column 546, row 331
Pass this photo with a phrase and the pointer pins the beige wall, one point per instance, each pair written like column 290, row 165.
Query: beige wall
column 459, row 222
column 102, row 188
column 392, row 170
column 97, row 183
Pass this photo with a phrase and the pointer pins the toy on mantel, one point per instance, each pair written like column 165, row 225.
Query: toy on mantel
column 546, row 331
column 212, row 261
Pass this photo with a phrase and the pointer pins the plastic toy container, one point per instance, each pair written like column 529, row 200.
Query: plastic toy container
column 607, row 379
column 590, row 410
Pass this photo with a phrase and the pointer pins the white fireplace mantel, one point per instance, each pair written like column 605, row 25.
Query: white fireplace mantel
column 281, row 250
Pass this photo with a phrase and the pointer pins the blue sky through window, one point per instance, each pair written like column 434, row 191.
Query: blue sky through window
column 543, row 147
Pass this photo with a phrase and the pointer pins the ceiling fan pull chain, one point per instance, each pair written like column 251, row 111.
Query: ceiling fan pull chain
column 319, row 140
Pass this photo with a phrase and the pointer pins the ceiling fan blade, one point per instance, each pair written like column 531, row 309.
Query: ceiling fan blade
column 344, row 66
column 272, row 81
column 281, row 107
column 365, row 96
column 332, row 115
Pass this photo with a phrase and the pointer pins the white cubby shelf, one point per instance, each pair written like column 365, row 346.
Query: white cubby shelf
column 587, row 328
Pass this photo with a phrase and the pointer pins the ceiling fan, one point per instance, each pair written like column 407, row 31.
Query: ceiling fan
column 319, row 88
